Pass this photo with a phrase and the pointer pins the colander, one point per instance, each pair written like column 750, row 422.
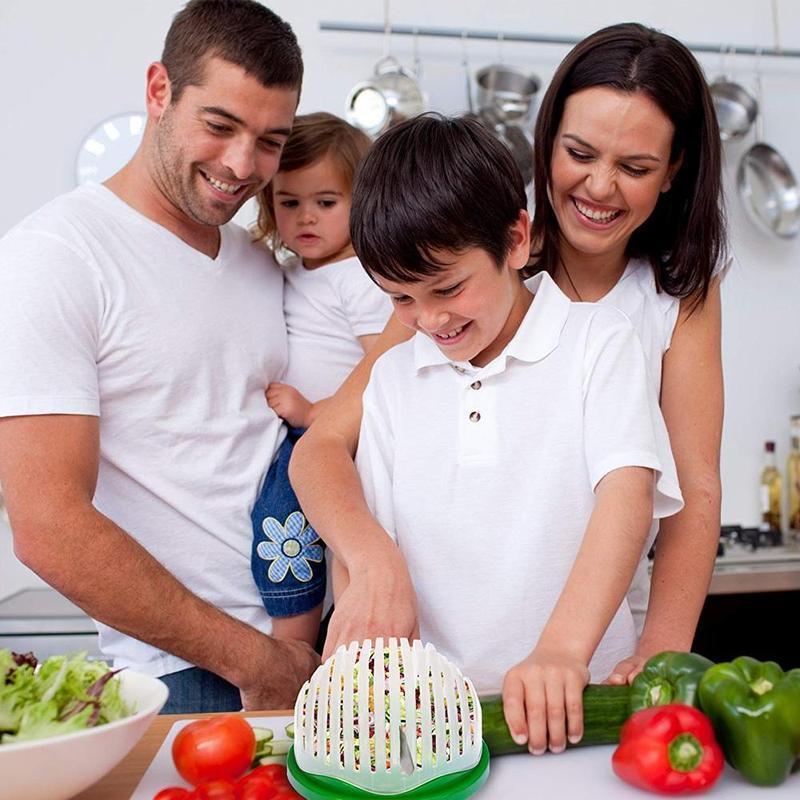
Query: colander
column 423, row 742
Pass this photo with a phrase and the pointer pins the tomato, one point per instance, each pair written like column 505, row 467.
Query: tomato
column 287, row 793
column 221, row 789
column 256, row 791
column 173, row 793
column 273, row 774
column 217, row 747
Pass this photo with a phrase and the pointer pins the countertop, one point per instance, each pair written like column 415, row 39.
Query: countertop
column 579, row 773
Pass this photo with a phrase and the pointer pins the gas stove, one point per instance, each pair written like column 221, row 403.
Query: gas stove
column 740, row 545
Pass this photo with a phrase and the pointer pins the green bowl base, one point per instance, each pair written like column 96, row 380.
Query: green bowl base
column 456, row 786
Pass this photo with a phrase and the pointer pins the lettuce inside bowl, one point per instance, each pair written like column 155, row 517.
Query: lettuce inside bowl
column 61, row 695
column 68, row 723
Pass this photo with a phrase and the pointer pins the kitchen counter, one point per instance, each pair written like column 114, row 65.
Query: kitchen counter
column 743, row 570
column 578, row 773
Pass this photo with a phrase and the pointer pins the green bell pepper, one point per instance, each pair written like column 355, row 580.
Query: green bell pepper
column 754, row 707
column 666, row 678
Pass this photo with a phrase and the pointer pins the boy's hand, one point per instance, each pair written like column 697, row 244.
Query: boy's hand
column 543, row 700
column 289, row 404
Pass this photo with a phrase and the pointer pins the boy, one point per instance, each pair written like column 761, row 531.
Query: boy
column 513, row 448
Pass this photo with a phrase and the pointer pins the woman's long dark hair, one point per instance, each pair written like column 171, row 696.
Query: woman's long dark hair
column 684, row 238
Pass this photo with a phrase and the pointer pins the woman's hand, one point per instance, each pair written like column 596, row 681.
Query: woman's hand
column 543, row 700
column 628, row 669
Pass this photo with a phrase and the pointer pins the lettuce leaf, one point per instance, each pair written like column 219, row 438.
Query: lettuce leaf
column 63, row 694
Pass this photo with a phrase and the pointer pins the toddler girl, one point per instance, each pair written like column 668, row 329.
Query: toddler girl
column 333, row 313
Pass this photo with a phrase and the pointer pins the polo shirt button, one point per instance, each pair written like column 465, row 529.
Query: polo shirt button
column 459, row 370
column 475, row 416
column 476, row 385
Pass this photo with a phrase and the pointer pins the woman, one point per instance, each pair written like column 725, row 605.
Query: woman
column 628, row 191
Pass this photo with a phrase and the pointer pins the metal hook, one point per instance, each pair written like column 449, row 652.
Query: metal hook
column 387, row 30
column 415, row 52
column 465, row 65
column 776, row 27
column 500, row 40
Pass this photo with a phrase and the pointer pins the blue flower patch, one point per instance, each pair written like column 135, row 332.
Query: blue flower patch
column 289, row 546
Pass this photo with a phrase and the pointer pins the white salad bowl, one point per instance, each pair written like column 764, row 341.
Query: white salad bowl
column 59, row 767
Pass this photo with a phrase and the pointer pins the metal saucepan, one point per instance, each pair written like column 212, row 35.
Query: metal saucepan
column 506, row 91
column 769, row 191
column 736, row 108
column 513, row 137
column 767, row 187
column 391, row 96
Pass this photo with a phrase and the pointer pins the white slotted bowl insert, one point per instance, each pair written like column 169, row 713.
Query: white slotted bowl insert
column 428, row 722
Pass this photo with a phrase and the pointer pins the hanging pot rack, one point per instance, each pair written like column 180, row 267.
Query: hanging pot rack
column 533, row 38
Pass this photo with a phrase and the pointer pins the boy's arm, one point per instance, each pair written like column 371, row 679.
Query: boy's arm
column 48, row 468
column 631, row 468
column 380, row 599
column 542, row 696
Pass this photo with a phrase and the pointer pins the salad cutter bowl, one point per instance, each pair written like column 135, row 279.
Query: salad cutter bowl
column 390, row 718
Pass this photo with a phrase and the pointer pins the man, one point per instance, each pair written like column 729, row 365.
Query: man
column 139, row 330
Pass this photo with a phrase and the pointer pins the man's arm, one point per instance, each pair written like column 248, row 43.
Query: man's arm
column 379, row 600
column 48, row 469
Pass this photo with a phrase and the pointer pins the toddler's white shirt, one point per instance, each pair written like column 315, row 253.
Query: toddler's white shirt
column 485, row 476
column 326, row 310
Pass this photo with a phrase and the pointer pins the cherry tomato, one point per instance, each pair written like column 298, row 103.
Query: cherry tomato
column 271, row 774
column 286, row 793
column 220, row 789
column 173, row 793
column 217, row 747
column 256, row 791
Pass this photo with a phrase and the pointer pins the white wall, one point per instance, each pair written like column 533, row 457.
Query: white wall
column 66, row 66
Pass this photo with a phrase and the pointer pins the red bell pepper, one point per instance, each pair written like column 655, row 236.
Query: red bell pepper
column 668, row 749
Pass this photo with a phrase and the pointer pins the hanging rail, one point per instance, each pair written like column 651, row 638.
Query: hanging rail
column 536, row 38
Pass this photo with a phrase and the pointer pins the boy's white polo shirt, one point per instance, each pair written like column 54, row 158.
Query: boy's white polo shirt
column 485, row 476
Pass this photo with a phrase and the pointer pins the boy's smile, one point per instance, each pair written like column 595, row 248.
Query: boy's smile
column 470, row 308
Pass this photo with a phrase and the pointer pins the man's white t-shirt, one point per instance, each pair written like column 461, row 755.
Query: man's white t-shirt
column 105, row 313
column 326, row 310
column 485, row 476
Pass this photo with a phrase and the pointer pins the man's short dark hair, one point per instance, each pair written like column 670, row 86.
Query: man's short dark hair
column 433, row 184
column 242, row 32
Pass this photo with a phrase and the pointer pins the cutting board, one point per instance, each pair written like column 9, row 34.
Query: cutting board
column 162, row 772
column 583, row 773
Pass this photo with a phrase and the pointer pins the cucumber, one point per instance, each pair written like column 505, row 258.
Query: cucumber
column 290, row 730
column 263, row 734
column 280, row 747
column 605, row 709
column 271, row 760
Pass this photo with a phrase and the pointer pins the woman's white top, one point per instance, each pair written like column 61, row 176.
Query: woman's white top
column 653, row 315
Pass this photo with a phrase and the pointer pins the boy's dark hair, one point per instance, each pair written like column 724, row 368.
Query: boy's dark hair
column 430, row 184
column 684, row 238
column 242, row 32
column 313, row 137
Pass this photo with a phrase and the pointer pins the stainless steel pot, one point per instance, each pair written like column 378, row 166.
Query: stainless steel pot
column 736, row 108
column 514, row 138
column 506, row 91
column 391, row 96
